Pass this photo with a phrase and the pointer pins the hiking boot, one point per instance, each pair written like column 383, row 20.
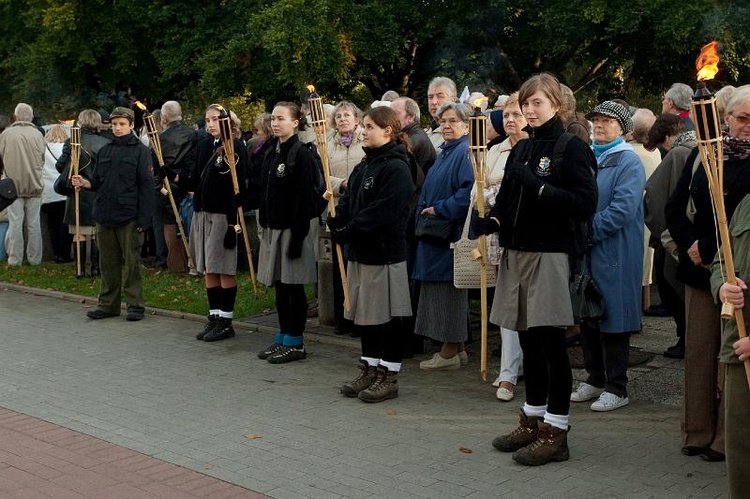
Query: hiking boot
column 213, row 322
column 270, row 350
column 551, row 444
column 98, row 313
column 287, row 354
column 585, row 392
column 523, row 435
column 367, row 377
column 385, row 387
column 222, row 331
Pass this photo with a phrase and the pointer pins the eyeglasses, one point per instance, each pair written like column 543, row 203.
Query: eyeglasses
column 742, row 119
column 603, row 120
column 451, row 121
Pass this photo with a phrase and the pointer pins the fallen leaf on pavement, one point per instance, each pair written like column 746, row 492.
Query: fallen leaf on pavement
column 391, row 412
column 252, row 436
column 464, row 450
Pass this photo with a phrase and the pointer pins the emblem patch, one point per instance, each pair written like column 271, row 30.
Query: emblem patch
column 281, row 170
column 367, row 185
column 219, row 159
column 543, row 169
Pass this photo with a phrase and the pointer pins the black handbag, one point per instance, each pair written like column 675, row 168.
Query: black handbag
column 63, row 185
column 434, row 230
column 8, row 193
column 586, row 298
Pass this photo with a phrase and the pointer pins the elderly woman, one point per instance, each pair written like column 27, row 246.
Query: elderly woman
column 344, row 153
column 443, row 310
column 616, row 258
column 91, row 142
column 695, row 236
column 497, row 157
column 542, row 196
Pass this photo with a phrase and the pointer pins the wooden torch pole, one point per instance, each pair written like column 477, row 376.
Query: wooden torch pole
column 75, row 161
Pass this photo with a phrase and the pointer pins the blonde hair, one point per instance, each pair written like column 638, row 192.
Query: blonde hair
column 56, row 133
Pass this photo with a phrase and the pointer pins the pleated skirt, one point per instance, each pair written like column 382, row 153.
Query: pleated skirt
column 443, row 312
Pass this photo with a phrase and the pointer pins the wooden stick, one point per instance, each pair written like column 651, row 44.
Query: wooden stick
column 75, row 161
column 711, row 152
column 319, row 126
column 155, row 141
column 478, row 155
column 227, row 140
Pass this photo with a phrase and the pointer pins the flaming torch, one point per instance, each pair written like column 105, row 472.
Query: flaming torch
column 75, row 162
column 318, row 118
column 478, row 154
column 227, row 141
column 708, row 134
column 166, row 190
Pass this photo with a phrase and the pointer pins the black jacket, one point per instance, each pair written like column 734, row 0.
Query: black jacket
column 123, row 181
column 91, row 144
column 284, row 197
column 211, row 179
column 532, row 223
column 702, row 229
column 376, row 207
column 178, row 149
column 420, row 145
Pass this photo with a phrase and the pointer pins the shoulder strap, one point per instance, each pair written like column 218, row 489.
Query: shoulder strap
column 558, row 152
column 291, row 157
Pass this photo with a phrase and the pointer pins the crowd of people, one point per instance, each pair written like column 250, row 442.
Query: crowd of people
column 617, row 191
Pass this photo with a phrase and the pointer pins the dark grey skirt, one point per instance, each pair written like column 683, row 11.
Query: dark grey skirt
column 378, row 293
column 274, row 264
column 443, row 312
column 207, row 232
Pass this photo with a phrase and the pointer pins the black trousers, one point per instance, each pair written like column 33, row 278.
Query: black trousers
column 291, row 305
column 382, row 341
column 670, row 299
column 606, row 356
column 59, row 234
column 546, row 368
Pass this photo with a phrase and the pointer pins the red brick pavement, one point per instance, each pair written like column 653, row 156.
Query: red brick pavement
column 40, row 459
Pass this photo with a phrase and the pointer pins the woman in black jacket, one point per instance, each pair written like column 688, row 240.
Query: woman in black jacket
column 287, row 258
column 371, row 221
column 541, row 199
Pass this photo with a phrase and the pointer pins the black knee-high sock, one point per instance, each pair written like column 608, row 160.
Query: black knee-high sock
column 214, row 299
column 228, row 296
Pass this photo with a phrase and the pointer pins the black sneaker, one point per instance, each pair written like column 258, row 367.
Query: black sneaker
column 213, row 322
column 98, row 313
column 287, row 354
column 134, row 315
column 270, row 350
column 222, row 331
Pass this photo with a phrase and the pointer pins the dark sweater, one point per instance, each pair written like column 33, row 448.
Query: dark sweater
column 376, row 206
column 532, row 223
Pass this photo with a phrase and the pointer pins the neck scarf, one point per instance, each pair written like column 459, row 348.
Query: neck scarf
column 684, row 137
column 346, row 140
column 600, row 149
column 734, row 148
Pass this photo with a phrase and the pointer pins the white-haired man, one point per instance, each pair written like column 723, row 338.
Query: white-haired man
column 408, row 115
column 178, row 149
column 440, row 91
column 677, row 101
column 22, row 150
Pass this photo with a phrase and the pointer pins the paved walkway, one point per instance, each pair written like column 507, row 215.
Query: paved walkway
column 284, row 431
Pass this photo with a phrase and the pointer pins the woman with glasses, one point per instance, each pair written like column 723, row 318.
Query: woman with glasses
column 442, row 314
column 690, row 220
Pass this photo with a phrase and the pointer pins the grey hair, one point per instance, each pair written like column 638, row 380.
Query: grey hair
column 442, row 81
column 681, row 95
column 411, row 107
column 340, row 105
column 390, row 95
column 90, row 119
column 171, row 111
column 462, row 110
column 23, row 112
column 740, row 96
column 643, row 120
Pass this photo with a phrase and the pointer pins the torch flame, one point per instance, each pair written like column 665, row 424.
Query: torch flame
column 707, row 63
column 140, row 105
column 311, row 88
column 478, row 102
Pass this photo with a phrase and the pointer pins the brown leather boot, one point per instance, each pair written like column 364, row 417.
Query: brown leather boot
column 551, row 444
column 522, row 436
column 385, row 387
column 366, row 378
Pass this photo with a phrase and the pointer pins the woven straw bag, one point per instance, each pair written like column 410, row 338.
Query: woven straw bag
column 467, row 265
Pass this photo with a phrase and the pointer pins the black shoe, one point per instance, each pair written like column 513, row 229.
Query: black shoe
column 270, row 350
column 675, row 352
column 134, row 315
column 222, row 331
column 98, row 313
column 213, row 322
column 658, row 311
column 713, row 456
column 692, row 450
column 288, row 354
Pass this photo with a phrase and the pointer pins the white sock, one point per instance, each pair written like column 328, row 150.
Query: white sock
column 393, row 367
column 372, row 362
column 557, row 420
column 534, row 410
column 214, row 311
column 226, row 315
